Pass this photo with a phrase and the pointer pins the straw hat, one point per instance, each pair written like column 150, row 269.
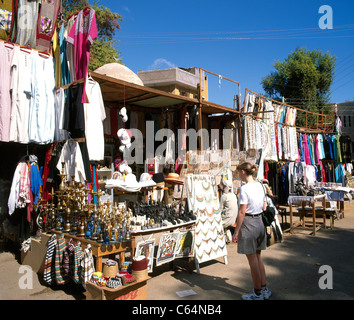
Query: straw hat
column 173, row 178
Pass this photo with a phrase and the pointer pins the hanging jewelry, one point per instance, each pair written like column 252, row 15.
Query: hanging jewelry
column 205, row 185
column 217, row 211
column 209, row 213
column 208, row 198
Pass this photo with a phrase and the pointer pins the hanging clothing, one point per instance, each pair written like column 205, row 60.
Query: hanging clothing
column 65, row 74
column 60, row 133
column 36, row 180
column 21, row 86
column 95, row 114
column 27, row 16
column 74, row 166
column 87, row 265
column 59, row 255
column 47, row 19
column 42, row 104
column 6, row 54
column 49, row 262
column 81, row 36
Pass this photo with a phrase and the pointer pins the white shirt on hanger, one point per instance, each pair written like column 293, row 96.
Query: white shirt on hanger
column 21, row 94
column 72, row 158
column 94, row 116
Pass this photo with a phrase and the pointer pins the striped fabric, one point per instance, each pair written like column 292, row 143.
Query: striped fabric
column 59, row 254
column 49, row 267
column 78, row 256
column 68, row 259
column 87, row 265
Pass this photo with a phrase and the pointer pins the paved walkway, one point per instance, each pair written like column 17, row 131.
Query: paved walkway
column 292, row 269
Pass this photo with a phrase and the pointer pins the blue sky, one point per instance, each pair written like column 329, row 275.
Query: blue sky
column 239, row 40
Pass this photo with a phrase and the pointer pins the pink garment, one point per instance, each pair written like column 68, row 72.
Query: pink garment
column 306, row 150
column 25, row 198
column 81, row 36
column 316, row 149
column 6, row 54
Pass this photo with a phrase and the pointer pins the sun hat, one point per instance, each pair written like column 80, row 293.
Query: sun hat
column 146, row 180
column 130, row 180
column 173, row 178
column 123, row 166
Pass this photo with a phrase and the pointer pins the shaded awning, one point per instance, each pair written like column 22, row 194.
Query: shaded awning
column 120, row 92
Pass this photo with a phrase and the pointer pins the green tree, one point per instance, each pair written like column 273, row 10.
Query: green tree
column 304, row 79
column 104, row 48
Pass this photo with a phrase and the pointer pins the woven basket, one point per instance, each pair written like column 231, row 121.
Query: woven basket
column 140, row 275
column 110, row 271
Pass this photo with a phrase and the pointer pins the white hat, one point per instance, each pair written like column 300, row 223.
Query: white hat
column 227, row 183
column 130, row 180
column 146, row 180
column 130, row 183
column 123, row 166
column 123, row 114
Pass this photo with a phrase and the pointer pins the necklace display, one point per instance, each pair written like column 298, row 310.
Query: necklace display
column 209, row 234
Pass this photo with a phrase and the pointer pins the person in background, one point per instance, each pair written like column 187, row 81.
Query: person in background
column 229, row 209
column 250, row 232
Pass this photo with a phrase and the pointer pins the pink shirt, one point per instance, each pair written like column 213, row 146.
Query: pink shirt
column 81, row 36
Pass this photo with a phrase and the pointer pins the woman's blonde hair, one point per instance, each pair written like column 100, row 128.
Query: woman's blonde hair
column 250, row 169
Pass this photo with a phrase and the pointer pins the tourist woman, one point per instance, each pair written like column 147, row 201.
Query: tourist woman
column 250, row 232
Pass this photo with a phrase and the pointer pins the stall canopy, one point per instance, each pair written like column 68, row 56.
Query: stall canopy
column 120, row 91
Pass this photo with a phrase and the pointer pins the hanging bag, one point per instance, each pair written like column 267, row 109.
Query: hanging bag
column 268, row 215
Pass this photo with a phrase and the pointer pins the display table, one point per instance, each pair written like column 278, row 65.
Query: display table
column 134, row 291
column 134, row 235
column 100, row 250
column 311, row 201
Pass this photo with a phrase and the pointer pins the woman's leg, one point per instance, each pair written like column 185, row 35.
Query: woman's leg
column 261, row 268
column 255, row 270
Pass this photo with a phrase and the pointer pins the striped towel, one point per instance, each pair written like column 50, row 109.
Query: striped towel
column 49, row 267
column 87, row 265
column 68, row 258
column 78, row 256
column 59, row 254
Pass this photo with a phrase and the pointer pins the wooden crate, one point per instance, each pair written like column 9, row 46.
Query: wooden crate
column 134, row 291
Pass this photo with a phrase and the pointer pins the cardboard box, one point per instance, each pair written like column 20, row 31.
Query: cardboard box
column 35, row 256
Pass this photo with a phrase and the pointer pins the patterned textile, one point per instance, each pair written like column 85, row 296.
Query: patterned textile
column 68, row 258
column 87, row 265
column 5, row 20
column 60, row 248
column 78, row 256
column 49, row 267
column 46, row 23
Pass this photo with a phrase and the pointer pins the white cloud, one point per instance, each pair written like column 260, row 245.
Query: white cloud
column 161, row 63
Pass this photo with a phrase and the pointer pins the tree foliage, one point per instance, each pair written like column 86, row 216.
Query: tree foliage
column 104, row 48
column 304, row 79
